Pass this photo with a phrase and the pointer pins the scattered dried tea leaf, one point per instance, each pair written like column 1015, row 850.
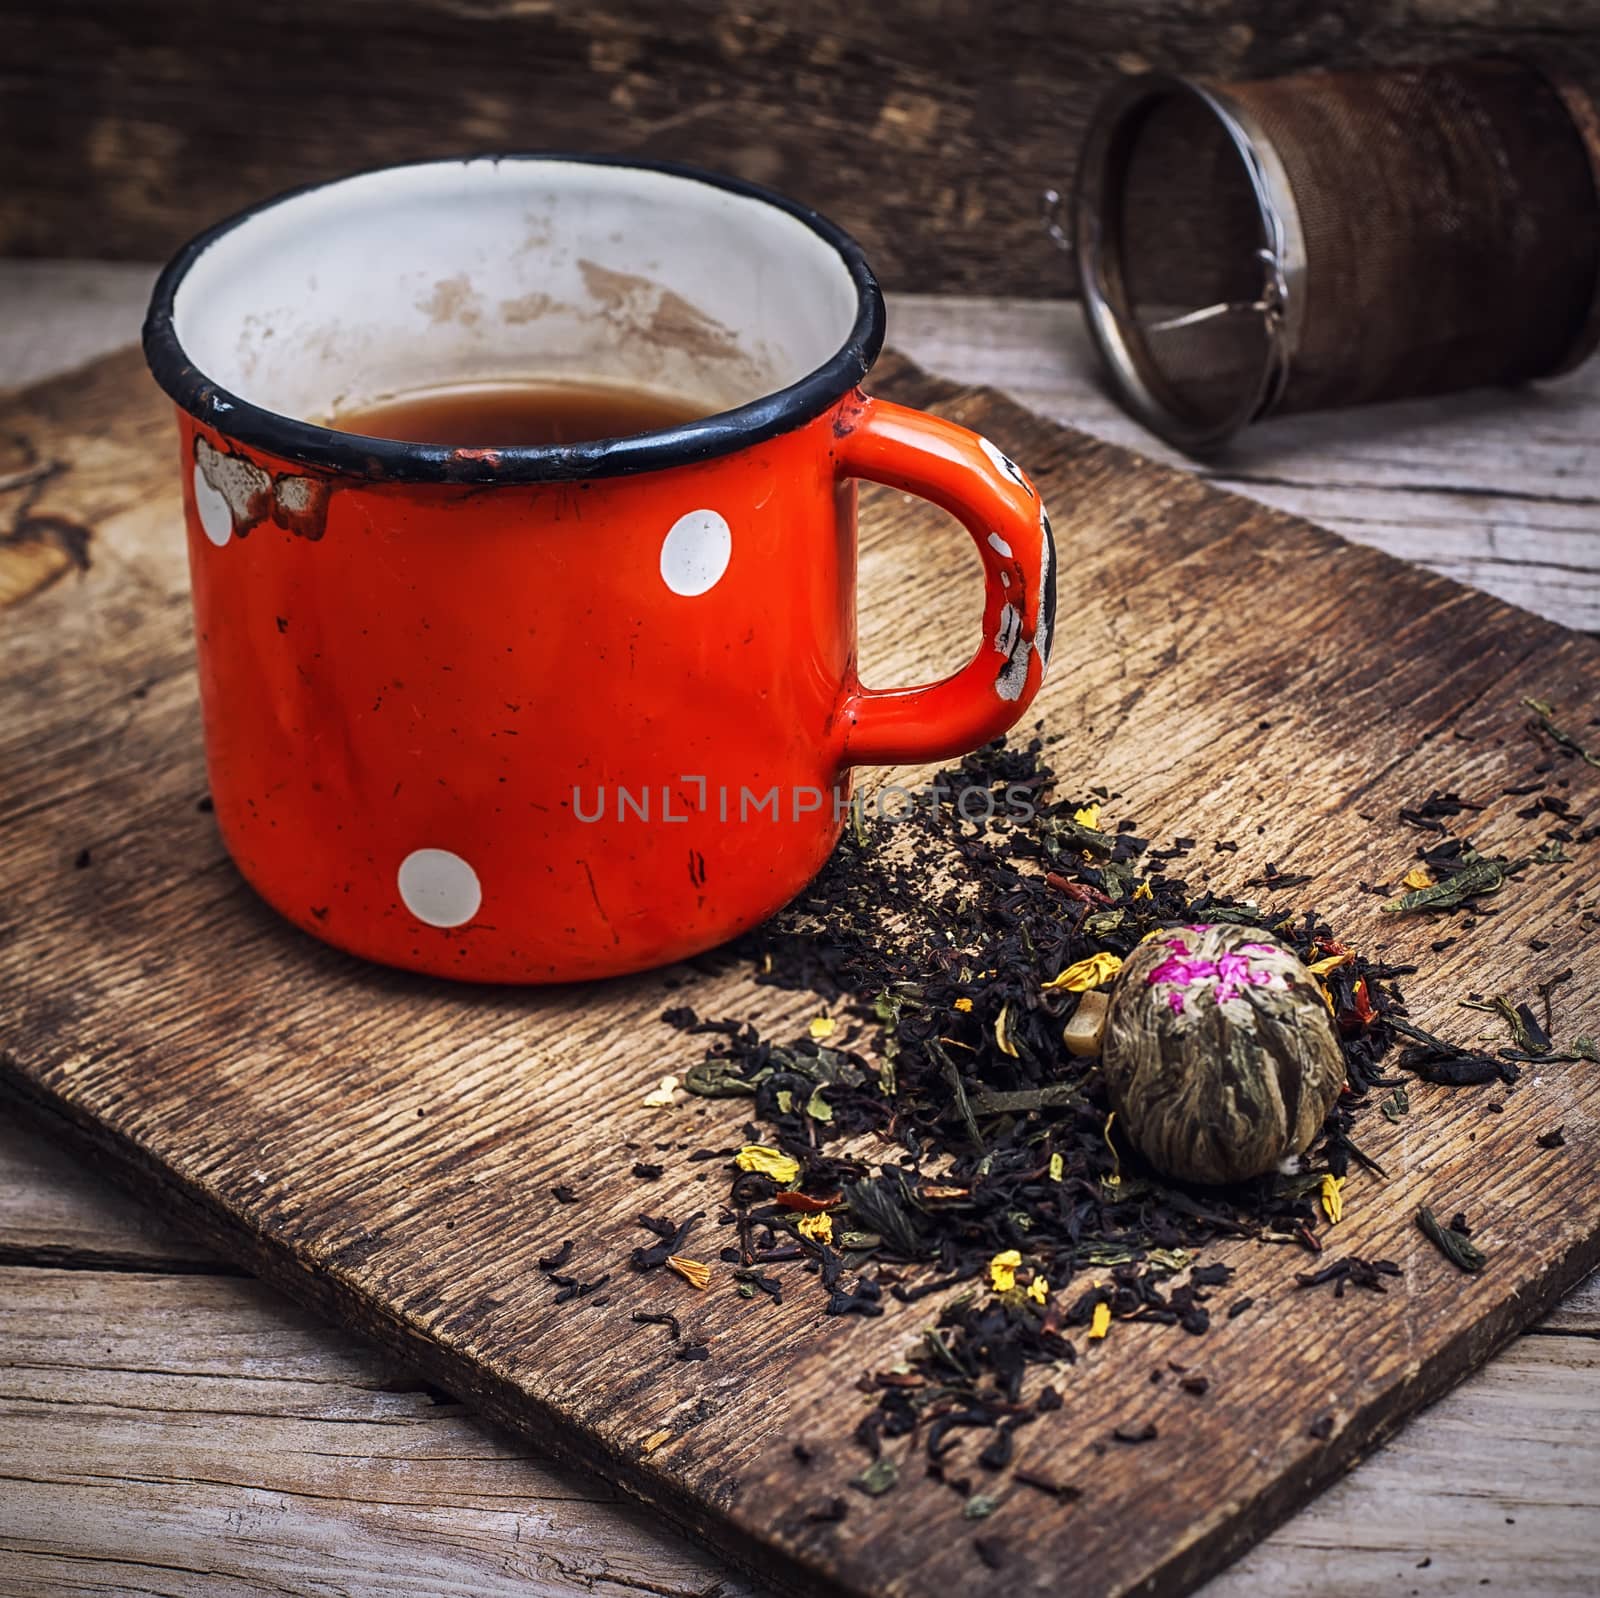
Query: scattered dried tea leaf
column 1544, row 712
column 878, row 1477
column 1453, row 1243
column 1473, row 881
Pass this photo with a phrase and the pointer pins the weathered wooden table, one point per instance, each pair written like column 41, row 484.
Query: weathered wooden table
column 169, row 1426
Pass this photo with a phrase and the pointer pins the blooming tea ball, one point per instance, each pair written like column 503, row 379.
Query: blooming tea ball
column 1219, row 1053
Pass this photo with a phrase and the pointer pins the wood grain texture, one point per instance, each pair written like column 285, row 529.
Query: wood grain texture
column 384, row 1147
column 171, row 1433
column 929, row 128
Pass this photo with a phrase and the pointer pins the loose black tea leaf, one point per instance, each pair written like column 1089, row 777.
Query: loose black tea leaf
column 1142, row 1434
column 956, row 1151
column 1061, row 1491
column 1452, row 1242
column 1553, row 1140
column 991, row 1550
column 1351, row 1271
column 1321, row 1428
column 670, row 1321
column 673, row 1236
column 563, row 1194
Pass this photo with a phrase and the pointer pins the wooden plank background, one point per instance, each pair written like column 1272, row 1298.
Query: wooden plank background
column 168, row 1425
column 1190, row 613
column 929, row 128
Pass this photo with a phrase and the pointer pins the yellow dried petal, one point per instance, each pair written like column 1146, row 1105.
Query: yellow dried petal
column 1101, row 1323
column 1333, row 1198
column 818, row 1227
column 695, row 1272
column 1003, row 1270
column 1038, row 1290
column 1056, row 1167
column 1331, row 962
column 964, row 1006
column 1002, row 1033
column 1142, row 892
column 1094, row 972
column 1416, row 877
column 823, row 1026
column 1088, row 816
column 775, row 1163
column 660, row 1096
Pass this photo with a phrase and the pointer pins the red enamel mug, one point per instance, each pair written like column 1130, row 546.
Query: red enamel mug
column 544, row 712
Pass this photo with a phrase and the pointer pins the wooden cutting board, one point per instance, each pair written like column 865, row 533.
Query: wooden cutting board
column 384, row 1147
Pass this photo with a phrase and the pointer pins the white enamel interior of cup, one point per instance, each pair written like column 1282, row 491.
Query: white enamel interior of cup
column 518, row 268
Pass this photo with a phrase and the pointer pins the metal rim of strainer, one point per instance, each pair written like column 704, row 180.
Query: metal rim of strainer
column 1119, row 337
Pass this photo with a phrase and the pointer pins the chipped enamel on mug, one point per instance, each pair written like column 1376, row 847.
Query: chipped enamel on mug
column 470, row 711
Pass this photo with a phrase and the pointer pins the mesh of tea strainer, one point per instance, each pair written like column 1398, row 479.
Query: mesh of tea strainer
column 1334, row 239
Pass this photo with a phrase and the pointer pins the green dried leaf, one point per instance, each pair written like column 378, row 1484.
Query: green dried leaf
column 1544, row 712
column 878, row 1477
column 1479, row 878
column 979, row 1507
column 1064, row 836
column 818, row 1107
column 720, row 1079
column 1171, row 1259
column 1110, row 1254
column 1460, row 1250
column 879, row 1209
column 858, row 1242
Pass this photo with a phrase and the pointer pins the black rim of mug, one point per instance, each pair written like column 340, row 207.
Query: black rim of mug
column 393, row 460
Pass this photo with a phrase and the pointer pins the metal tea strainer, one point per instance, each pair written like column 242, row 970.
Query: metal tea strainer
column 1335, row 239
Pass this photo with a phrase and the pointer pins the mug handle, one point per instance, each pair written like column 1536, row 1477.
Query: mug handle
column 963, row 473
